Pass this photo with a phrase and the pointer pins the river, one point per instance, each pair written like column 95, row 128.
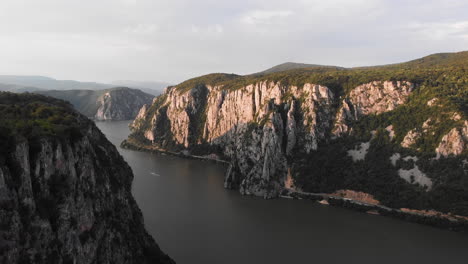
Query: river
column 195, row 220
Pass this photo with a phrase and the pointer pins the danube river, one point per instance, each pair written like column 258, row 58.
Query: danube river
column 195, row 220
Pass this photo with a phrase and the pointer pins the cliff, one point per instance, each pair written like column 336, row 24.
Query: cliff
column 323, row 130
column 65, row 191
column 119, row 103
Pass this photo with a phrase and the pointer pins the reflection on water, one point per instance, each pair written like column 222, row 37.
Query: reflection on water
column 195, row 220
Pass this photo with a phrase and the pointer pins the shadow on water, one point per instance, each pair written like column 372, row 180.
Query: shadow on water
column 195, row 220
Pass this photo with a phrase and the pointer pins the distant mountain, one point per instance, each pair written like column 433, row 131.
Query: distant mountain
column 17, row 88
column 119, row 103
column 292, row 66
column 456, row 59
column 50, row 83
column 434, row 60
column 154, row 88
column 25, row 83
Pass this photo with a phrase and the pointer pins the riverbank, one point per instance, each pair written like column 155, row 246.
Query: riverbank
column 436, row 219
column 432, row 218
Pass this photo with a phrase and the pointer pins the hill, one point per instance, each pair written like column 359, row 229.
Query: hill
column 50, row 83
column 292, row 66
column 119, row 103
column 17, row 88
column 154, row 88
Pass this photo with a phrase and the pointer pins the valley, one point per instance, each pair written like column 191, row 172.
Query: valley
column 187, row 210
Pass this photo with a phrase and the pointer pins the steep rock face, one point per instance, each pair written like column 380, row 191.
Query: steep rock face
column 256, row 127
column 67, row 199
column 371, row 98
column 121, row 104
column 455, row 142
column 280, row 136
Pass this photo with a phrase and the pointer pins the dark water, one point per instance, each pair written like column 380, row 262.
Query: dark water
column 195, row 220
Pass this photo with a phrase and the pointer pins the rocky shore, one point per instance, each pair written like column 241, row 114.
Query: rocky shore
column 436, row 219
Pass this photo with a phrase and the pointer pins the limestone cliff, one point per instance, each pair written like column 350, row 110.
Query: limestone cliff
column 256, row 127
column 121, row 104
column 371, row 98
column 118, row 103
column 65, row 191
column 323, row 130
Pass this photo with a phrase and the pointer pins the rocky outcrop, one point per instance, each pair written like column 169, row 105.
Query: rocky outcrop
column 371, row 98
column 121, row 104
column 410, row 139
column 67, row 199
column 255, row 127
column 455, row 142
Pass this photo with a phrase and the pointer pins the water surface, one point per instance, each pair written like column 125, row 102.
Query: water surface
column 195, row 220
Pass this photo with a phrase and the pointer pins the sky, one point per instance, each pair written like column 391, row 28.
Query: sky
column 159, row 40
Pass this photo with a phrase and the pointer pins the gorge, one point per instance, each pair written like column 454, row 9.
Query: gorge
column 397, row 133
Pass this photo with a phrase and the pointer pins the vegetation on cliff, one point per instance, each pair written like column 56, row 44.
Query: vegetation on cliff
column 437, row 105
column 65, row 189
column 34, row 116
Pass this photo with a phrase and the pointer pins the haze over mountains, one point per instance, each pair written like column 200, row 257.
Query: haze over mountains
column 154, row 88
column 25, row 83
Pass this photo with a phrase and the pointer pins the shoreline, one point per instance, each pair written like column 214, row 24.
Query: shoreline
column 439, row 221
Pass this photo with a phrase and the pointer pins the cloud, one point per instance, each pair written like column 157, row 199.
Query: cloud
column 207, row 30
column 175, row 40
column 440, row 31
column 142, row 29
column 129, row 2
column 265, row 16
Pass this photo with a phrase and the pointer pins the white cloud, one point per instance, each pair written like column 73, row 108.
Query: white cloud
column 265, row 16
column 440, row 31
column 207, row 30
column 179, row 39
column 129, row 2
column 142, row 29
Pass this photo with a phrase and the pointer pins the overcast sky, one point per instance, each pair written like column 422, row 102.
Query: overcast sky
column 106, row 40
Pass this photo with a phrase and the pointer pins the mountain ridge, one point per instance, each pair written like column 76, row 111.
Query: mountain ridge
column 367, row 128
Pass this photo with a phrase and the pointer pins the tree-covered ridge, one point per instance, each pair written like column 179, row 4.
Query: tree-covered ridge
column 209, row 79
column 456, row 59
column 32, row 116
column 292, row 65
column 431, row 70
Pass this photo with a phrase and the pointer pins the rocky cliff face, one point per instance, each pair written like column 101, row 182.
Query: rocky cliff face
column 121, row 104
column 455, row 142
column 259, row 126
column 118, row 103
column 256, row 127
column 319, row 136
column 371, row 98
column 66, row 198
